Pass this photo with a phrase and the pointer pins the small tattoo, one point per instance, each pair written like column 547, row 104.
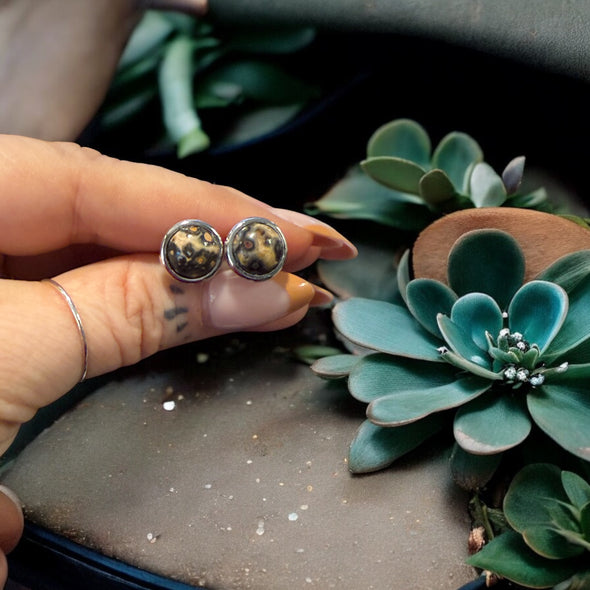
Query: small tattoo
column 170, row 314
column 176, row 289
column 181, row 327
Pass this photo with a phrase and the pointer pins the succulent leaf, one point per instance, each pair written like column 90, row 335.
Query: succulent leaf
column 404, row 407
column 486, row 261
column 512, row 175
column 562, row 411
column 460, row 341
column 357, row 196
column 486, row 187
column 456, row 154
column 537, row 199
column 568, row 271
column 403, row 274
column 510, row 557
column 472, row 472
column 426, row 298
column 491, row 424
column 435, row 188
column 476, row 314
column 401, row 138
column 538, row 310
column 576, row 488
column 536, row 505
column 378, row 375
column 371, row 274
column 374, row 447
column 335, row 366
column 384, row 327
column 396, row 173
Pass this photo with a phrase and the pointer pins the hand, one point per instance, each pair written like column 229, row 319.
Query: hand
column 95, row 224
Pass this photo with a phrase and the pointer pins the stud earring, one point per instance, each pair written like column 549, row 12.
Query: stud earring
column 256, row 248
column 191, row 251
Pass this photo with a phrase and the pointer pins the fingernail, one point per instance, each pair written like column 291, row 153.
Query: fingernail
column 235, row 303
column 324, row 235
column 321, row 297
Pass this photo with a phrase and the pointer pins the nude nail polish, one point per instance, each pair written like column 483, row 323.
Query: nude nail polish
column 324, row 236
column 234, row 303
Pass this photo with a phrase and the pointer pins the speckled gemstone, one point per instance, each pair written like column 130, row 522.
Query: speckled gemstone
column 192, row 251
column 256, row 249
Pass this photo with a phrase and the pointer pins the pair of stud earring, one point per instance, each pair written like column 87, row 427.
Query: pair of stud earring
column 193, row 251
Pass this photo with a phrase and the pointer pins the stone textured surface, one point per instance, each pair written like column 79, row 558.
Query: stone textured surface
column 243, row 483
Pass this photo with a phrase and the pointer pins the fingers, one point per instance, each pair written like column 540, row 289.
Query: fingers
column 11, row 527
column 130, row 308
column 67, row 195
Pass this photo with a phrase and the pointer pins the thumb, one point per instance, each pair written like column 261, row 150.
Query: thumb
column 130, row 308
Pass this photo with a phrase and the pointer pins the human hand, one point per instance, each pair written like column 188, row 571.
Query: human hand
column 95, row 224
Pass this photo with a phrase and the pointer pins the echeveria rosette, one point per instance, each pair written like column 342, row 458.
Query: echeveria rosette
column 405, row 183
column 549, row 512
column 502, row 353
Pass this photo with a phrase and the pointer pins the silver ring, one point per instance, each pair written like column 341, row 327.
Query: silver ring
column 191, row 251
column 256, row 248
column 78, row 321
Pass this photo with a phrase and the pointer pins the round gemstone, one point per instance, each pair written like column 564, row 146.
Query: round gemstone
column 192, row 251
column 256, row 249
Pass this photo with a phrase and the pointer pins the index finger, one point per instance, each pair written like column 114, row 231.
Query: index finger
column 59, row 194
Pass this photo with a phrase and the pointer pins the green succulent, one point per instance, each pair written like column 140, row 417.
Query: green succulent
column 549, row 510
column 405, row 184
column 499, row 353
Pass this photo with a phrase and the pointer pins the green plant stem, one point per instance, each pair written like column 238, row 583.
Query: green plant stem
column 481, row 517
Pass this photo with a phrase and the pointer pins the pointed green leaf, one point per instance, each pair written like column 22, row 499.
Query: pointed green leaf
column 576, row 488
column 538, row 310
column 396, row 173
column 552, row 542
column 460, row 341
column 491, row 424
column 377, row 375
column 426, row 298
column 472, row 472
column 476, row 314
column 335, row 366
column 455, row 154
column 275, row 40
column 384, row 327
column 486, row 187
column 509, row 556
column 436, row 188
column 537, row 199
column 402, row 138
column 563, row 412
column 374, row 447
column 404, row 407
column 569, row 270
column 536, row 506
column 357, row 196
column 486, row 261
column 512, row 175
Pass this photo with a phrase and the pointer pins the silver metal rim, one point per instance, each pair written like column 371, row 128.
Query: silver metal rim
column 235, row 265
column 170, row 233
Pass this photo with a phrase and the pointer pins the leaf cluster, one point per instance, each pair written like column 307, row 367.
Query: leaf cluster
column 188, row 66
column 549, row 544
column 406, row 184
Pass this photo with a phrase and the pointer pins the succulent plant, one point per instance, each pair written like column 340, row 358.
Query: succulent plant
column 549, row 511
column 405, row 184
column 499, row 354
column 191, row 67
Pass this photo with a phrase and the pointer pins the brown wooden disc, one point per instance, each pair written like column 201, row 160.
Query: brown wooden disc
column 543, row 237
